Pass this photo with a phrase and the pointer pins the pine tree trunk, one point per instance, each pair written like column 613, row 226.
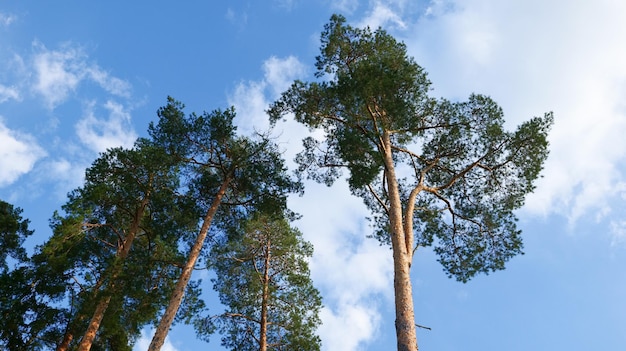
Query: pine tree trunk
column 179, row 290
column 94, row 324
column 122, row 254
column 65, row 344
column 71, row 327
column 405, row 314
column 265, row 298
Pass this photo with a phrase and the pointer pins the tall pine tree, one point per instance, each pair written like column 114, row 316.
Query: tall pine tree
column 116, row 246
column 228, row 176
column 433, row 172
column 263, row 279
column 29, row 320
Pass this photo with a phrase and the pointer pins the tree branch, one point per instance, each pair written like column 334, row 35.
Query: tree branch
column 378, row 199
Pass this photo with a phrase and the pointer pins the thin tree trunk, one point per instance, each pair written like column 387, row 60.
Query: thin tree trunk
column 71, row 327
column 103, row 304
column 94, row 324
column 68, row 336
column 65, row 344
column 405, row 314
column 179, row 290
column 265, row 298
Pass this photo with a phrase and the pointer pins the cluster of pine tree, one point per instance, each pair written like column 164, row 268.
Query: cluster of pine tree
column 433, row 173
column 124, row 246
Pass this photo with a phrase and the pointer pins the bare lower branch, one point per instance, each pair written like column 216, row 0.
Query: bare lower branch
column 423, row 327
column 378, row 199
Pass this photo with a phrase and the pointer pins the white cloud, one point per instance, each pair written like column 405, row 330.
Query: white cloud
column 530, row 63
column 6, row 20
column 339, row 234
column 15, row 74
column 252, row 98
column 7, row 93
column 112, row 85
column 63, row 174
column 351, row 270
column 617, row 224
column 383, row 15
column 280, row 73
column 237, row 18
column 250, row 103
column 18, row 154
column 99, row 134
column 344, row 6
column 618, row 232
column 59, row 72
column 438, row 7
column 146, row 337
column 349, row 327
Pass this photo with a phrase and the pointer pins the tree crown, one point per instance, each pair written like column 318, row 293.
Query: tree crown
column 461, row 173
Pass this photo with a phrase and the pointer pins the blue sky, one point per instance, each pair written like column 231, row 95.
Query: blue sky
column 77, row 77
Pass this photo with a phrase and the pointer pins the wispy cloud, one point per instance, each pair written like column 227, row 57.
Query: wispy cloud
column 344, row 6
column 61, row 174
column 279, row 73
column 438, row 7
column 8, row 93
column 387, row 14
column 18, row 154
column 618, row 232
column 59, row 72
column 112, row 85
column 237, row 18
column 49, row 78
column 15, row 75
column 6, row 19
column 617, row 225
column 515, row 52
column 252, row 98
column 99, row 134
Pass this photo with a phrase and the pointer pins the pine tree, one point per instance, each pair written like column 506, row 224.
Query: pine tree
column 29, row 322
column 262, row 278
column 433, row 172
column 228, row 176
column 116, row 246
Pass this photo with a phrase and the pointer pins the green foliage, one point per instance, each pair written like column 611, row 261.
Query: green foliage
column 271, row 256
column 28, row 322
column 212, row 152
column 227, row 176
column 122, row 236
column 468, row 174
column 13, row 231
column 119, row 237
column 374, row 87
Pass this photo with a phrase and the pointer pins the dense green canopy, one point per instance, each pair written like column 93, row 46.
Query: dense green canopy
column 432, row 171
column 469, row 173
column 262, row 277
